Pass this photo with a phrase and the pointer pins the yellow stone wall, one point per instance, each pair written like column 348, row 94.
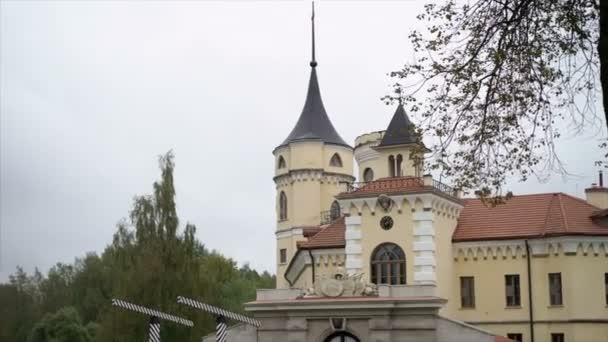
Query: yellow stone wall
column 582, row 291
column 372, row 235
column 310, row 184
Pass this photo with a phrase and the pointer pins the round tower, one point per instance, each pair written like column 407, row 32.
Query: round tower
column 312, row 165
column 395, row 152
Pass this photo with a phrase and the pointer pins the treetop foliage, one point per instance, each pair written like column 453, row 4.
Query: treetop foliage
column 149, row 262
column 491, row 79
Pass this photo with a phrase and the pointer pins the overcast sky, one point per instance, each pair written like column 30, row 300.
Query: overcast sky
column 92, row 92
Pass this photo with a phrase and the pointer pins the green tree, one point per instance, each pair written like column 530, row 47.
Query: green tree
column 492, row 78
column 63, row 326
column 149, row 262
column 20, row 305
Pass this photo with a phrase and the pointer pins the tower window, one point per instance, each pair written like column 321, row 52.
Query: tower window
column 391, row 166
column 388, row 265
column 283, row 255
column 334, row 211
column 368, row 175
column 398, row 166
column 282, row 206
column 281, row 163
column 335, row 160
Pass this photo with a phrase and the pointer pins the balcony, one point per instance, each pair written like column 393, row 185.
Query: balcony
column 401, row 184
column 329, row 216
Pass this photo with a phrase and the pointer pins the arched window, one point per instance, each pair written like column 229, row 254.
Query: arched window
column 334, row 211
column 368, row 175
column 391, row 166
column 398, row 167
column 388, row 265
column 281, row 162
column 341, row 336
column 282, row 206
column 335, row 160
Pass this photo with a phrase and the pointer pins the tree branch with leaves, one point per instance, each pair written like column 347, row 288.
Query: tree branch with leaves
column 493, row 77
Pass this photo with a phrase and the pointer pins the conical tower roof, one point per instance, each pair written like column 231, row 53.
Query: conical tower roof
column 400, row 130
column 314, row 124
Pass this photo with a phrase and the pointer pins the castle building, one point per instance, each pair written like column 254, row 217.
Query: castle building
column 439, row 267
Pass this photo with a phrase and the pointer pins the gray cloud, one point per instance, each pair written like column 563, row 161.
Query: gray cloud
column 92, row 92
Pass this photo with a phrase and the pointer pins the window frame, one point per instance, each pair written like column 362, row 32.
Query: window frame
column 519, row 337
column 368, row 172
column 283, row 206
column 391, row 271
column 281, row 163
column 391, row 166
column 606, row 287
column 556, row 297
column 467, row 290
column 335, row 160
column 283, row 256
column 516, row 289
column 558, row 337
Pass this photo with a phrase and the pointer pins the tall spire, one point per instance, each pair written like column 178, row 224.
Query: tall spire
column 314, row 123
column 313, row 61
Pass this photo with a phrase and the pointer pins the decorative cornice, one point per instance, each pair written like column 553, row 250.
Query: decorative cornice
column 438, row 205
column 569, row 245
column 289, row 232
column 320, row 175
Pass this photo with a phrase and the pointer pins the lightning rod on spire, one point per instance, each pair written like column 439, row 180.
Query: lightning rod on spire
column 313, row 62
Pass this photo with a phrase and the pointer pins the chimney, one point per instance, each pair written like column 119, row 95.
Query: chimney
column 597, row 195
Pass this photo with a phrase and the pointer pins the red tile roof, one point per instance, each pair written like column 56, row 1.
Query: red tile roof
column 523, row 216
column 527, row 216
column 328, row 237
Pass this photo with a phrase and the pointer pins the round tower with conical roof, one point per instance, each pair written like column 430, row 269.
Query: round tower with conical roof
column 312, row 165
column 396, row 152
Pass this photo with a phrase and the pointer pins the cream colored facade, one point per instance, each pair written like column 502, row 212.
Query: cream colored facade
column 582, row 263
column 310, row 184
column 424, row 223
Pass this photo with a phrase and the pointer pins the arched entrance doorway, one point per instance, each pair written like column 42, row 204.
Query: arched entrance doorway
column 341, row 336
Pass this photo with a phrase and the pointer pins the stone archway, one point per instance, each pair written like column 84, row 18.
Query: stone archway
column 341, row 336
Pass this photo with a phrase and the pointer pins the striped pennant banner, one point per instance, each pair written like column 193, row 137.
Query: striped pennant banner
column 154, row 335
column 151, row 312
column 217, row 311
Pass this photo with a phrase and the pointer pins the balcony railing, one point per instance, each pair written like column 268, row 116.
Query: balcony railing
column 401, row 183
column 329, row 216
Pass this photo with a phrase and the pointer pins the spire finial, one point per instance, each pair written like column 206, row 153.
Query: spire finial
column 313, row 62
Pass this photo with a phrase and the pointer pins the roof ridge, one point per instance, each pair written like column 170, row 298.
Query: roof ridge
column 547, row 215
column 561, row 206
column 578, row 199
